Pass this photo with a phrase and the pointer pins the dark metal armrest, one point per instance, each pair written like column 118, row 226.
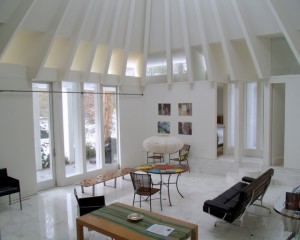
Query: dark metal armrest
column 217, row 206
column 248, row 179
column 92, row 201
column 87, row 207
column 9, row 181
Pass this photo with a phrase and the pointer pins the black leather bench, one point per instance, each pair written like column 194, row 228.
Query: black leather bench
column 233, row 203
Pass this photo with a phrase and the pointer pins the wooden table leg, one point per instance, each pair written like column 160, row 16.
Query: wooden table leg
column 79, row 231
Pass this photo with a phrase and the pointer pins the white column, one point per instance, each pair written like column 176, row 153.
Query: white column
column 239, row 122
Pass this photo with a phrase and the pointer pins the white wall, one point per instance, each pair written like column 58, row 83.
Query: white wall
column 132, row 122
column 278, row 106
column 202, row 95
column 292, row 128
column 138, row 120
column 291, row 120
column 16, row 128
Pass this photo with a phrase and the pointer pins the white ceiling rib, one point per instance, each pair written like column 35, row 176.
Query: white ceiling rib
column 168, row 41
column 75, row 40
column 96, row 39
column 128, row 36
column 146, row 39
column 186, row 41
column 112, row 38
column 226, row 45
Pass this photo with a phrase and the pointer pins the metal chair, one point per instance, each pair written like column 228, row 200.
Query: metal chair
column 143, row 186
column 155, row 157
column 89, row 204
column 181, row 155
column 9, row 185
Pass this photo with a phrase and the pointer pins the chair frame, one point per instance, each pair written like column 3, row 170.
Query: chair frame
column 89, row 204
column 155, row 156
column 181, row 157
column 143, row 186
column 9, row 185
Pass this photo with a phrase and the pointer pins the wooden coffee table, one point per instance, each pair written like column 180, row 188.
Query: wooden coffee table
column 112, row 221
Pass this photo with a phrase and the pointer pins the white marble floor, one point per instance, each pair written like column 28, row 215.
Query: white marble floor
column 51, row 214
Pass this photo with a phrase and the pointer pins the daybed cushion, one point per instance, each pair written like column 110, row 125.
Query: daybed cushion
column 226, row 203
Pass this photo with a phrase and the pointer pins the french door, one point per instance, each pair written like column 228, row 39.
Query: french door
column 43, row 135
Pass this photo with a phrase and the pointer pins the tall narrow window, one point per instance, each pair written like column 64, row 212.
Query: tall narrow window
column 72, row 129
column 42, row 123
column 110, row 124
column 91, row 123
column 251, row 115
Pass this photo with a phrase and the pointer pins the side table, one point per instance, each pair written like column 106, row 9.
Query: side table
column 290, row 218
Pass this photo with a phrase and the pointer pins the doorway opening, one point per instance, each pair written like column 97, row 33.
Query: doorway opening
column 220, row 120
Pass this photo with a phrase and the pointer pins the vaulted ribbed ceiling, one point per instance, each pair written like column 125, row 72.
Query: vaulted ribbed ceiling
column 115, row 40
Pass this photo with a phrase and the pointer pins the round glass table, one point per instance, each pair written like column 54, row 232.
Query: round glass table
column 290, row 218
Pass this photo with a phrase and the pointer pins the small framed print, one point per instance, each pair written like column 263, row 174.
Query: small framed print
column 163, row 127
column 164, row 109
column 185, row 128
column 184, row 109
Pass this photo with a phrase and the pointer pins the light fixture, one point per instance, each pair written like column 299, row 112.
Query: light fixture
column 163, row 144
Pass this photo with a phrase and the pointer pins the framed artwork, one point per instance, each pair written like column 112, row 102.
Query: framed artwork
column 185, row 128
column 292, row 201
column 184, row 109
column 164, row 109
column 163, row 127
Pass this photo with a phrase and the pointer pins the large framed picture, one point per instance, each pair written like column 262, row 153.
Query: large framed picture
column 184, row 109
column 163, row 127
column 164, row 109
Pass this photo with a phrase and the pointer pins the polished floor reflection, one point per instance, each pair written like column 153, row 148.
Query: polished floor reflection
column 51, row 214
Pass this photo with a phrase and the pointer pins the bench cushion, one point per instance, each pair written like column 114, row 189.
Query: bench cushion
column 8, row 190
column 226, row 203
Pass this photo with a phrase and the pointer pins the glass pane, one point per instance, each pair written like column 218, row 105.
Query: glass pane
column 72, row 129
column 41, row 111
column 110, row 125
column 90, row 123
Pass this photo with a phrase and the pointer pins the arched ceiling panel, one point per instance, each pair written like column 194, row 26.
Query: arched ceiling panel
column 209, row 21
column 73, row 19
column 157, row 27
column 122, row 26
column 42, row 14
column 290, row 11
column 138, row 29
column 103, row 36
column 175, row 22
column 263, row 24
column 91, row 25
column 229, row 20
column 7, row 8
column 108, row 21
column 194, row 34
